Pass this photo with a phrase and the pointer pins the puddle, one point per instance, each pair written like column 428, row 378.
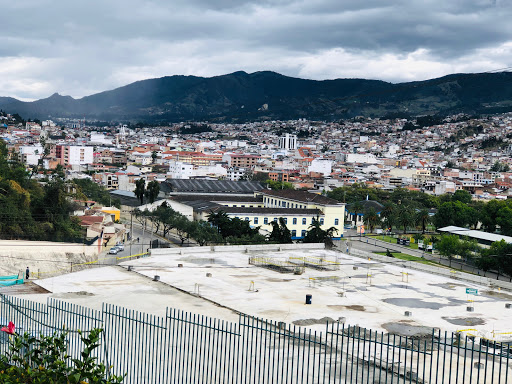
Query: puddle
column 449, row 286
column 414, row 303
column 360, row 308
column 464, row 320
column 203, row 261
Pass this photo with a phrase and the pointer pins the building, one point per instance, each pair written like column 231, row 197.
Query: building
column 74, row 155
column 288, row 142
column 241, row 161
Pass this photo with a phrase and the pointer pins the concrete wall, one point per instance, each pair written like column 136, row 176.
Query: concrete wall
column 447, row 272
column 49, row 258
column 236, row 248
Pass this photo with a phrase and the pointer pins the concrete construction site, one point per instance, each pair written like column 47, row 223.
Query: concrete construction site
column 303, row 285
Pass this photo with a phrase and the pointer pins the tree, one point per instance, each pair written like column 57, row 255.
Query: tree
column 388, row 215
column 152, row 191
column 499, row 167
column 454, row 213
column 204, row 233
column 489, row 214
column 316, row 234
column 280, row 232
column 154, row 156
column 405, row 216
column 371, row 219
column 448, row 246
column 356, row 209
column 504, row 220
column 462, row 196
column 140, row 189
column 277, row 185
column 422, row 219
column 501, row 253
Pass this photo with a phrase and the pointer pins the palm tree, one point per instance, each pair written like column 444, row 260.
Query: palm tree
column 388, row 215
column 371, row 219
column 405, row 216
column 356, row 208
column 316, row 234
column 423, row 218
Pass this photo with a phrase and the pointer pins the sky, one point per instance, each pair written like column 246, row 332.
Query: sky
column 82, row 47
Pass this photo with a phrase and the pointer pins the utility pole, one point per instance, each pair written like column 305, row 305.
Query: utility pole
column 131, row 230
column 143, row 230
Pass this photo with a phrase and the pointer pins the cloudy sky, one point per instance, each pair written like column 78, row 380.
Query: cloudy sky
column 80, row 47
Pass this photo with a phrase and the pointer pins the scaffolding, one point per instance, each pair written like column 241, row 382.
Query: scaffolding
column 280, row 265
column 316, row 262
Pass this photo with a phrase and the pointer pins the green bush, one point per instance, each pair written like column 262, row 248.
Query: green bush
column 44, row 359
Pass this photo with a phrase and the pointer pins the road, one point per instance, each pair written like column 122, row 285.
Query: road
column 371, row 244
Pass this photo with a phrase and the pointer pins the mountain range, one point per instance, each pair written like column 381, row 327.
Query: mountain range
column 242, row 96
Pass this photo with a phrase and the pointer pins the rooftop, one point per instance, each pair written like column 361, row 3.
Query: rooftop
column 213, row 186
column 301, row 196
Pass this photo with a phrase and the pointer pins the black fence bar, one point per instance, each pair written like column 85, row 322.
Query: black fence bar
column 181, row 347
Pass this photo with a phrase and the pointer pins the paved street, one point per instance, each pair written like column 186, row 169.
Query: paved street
column 371, row 244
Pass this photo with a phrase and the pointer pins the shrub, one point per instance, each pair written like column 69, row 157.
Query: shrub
column 44, row 359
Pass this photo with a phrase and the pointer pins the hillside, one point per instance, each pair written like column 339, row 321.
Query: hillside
column 241, row 96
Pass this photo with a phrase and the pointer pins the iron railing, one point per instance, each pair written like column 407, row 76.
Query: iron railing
column 181, row 347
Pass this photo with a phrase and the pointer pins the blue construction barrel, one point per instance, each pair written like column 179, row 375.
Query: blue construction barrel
column 308, row 299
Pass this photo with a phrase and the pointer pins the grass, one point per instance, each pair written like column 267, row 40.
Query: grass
column 404, row 256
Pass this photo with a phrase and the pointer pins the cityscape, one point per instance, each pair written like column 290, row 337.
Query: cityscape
column 276, row 192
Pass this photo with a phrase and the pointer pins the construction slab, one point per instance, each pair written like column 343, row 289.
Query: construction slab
column 376, row 295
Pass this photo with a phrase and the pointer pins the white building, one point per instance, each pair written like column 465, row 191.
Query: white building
column 235, row 173
column 30, row 154
column 288, row 142
column 99, row 138
column 180, row 170
column 367, row 158
column 323, row 166
column 80, row 155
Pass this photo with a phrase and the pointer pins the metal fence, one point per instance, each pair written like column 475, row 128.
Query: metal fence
column 187, row 348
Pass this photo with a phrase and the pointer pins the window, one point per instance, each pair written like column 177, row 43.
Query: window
column 303, row 233
column 285, row 220
column 336, row 221
column 304, row 220
column 275, row 219
column 265, row 220
column 294, row 220
column 283, row 204
column 234, row 205
column 247, row 219
column 312, row 220
column 255, row 220
column 294, row 233
column 242, row 205
column 322, row 221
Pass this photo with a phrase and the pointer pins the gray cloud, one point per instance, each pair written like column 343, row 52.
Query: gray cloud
column 81, row 47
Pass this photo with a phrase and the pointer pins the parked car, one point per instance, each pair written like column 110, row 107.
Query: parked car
column 114, row 251
column 120, row 246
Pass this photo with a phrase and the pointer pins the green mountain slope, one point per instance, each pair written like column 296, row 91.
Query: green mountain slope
column 241, row 96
